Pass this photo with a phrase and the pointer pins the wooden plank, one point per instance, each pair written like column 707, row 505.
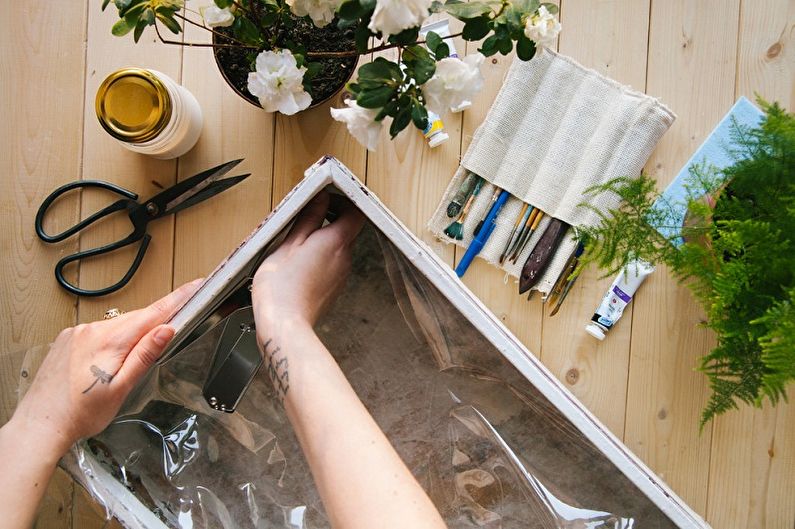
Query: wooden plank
column 597, row 371
column 489, row 283
column 42, row 114
column 300, row 140
column 752, row 469
column 691, row 66
column 233, row 128
column 105, row 159
column 409, row 176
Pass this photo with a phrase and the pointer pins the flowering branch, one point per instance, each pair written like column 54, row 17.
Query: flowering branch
column 427, row 78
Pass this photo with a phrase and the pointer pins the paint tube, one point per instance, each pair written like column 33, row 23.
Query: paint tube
column 442, row 28
column 618, row 297
column 434, row 130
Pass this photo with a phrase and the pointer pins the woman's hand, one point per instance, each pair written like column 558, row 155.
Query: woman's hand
column 91, row 368
column 297, row 282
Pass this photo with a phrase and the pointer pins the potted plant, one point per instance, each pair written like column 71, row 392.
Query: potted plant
column 736, row 253
column 290, row 53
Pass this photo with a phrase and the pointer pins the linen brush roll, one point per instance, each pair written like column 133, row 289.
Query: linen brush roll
column 555, row 129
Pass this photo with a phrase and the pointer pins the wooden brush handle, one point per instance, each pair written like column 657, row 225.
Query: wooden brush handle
column 542, row 254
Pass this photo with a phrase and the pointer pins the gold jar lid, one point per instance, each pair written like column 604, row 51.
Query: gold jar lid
column 133, row 105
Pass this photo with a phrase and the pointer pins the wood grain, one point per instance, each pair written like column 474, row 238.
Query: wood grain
column 691, row 66
column 302, row 139
column 409, row 176
column 597, row 371
column 752, row 468
column 233, row 128
column 42, row 120
column 700, row 56
column 105, row 159
column 42, row 91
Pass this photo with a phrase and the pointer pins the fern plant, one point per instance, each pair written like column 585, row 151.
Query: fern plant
column 736, row 253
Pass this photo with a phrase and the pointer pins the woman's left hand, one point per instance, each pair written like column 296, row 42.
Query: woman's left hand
column 90, row 370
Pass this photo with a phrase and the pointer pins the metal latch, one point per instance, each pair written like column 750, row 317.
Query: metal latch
column 236, row 360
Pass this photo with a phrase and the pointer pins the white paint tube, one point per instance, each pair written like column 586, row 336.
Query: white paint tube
column 442, row 28
column 618, row 297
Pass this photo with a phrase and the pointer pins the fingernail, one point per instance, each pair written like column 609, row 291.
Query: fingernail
column 163, row 335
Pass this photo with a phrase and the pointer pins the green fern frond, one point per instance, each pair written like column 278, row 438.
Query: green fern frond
column 738, row 258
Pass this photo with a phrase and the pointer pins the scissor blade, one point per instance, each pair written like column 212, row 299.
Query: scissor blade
column 182, row 191
column 209, row 191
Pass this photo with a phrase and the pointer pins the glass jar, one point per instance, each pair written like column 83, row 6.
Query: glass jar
column 149, row 113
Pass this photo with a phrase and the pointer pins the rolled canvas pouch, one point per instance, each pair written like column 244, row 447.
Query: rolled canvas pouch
column 555, row 129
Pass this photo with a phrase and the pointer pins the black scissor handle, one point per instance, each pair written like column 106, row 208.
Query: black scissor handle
column 98, row 251
column 125, row 203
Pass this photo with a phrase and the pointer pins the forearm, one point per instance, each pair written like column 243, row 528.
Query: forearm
column 361, row 479
column 28, row 457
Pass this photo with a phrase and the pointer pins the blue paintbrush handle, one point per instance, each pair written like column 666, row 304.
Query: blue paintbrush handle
column 483, row 235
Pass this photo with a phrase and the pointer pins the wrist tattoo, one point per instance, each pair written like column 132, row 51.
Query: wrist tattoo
column 100, row 375
column 276, row 366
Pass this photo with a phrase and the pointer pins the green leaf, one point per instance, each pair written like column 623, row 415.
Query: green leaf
column 148, row 17
column 375, row 98
column 489, row 46
column 132, row 4
column 362, row 37
column 121, row 4
column 223, row 4
column 419, row 115
column 406, row 37
column 389, row 110
column 368, row 4
column 105, row 4
column 442, row 51
column 121, row 27
column 170, row 23
column 245, row 30
column 505, row 46
column 401, row 120
column 419, row 63
column 350, row 10
column 525, row 48
column 476, row 28
column 433, row 41
column 139, row 28
column 381, row 68
column 466, row 10
column 312, row 69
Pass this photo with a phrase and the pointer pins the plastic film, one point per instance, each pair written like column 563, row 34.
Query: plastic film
column 488, row 448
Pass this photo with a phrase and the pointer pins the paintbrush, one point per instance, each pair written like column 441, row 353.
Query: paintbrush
column 539, row 259
column 565, row 275
column 456, row 229
column 520, row 220
column 567, row 288
column 530, row 228
column 494, row 197
column 462, row 195
column 483, row 235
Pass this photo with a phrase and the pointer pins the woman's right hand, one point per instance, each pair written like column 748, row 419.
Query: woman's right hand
column 296, row 283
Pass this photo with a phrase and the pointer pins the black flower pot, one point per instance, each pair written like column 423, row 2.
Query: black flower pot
column 335, row 72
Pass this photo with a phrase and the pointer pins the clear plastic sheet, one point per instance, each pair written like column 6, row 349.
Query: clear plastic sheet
column 488, row 448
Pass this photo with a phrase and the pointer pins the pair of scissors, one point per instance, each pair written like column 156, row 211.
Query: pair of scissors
column 176, row 198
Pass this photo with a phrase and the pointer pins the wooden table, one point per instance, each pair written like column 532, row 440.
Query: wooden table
column 696, row 56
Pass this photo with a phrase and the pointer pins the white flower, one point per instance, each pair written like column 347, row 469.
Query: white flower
column 216, row 17
column 277, row 83
column 542, row 27
column 361, row 123
column 393, row 16
column 454, row 82
column 320, row 11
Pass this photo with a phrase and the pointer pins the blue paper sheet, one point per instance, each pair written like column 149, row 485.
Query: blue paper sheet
column 714, row 151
